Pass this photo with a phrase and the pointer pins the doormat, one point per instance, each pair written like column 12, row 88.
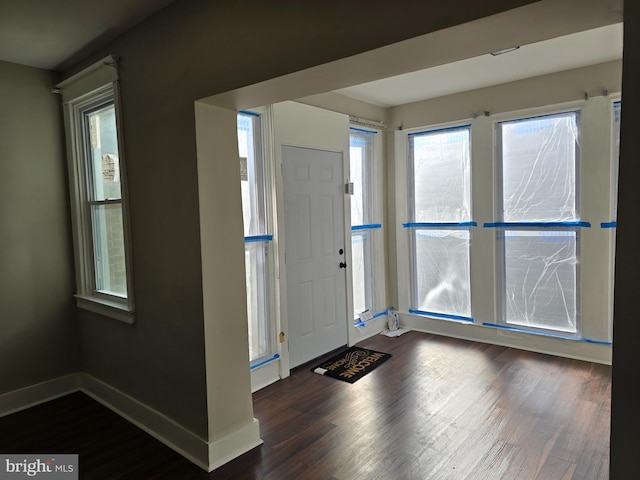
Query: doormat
column 352, row 364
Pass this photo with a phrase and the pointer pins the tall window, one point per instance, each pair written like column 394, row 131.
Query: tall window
column 98, row 197
column 257, row 238
column 617, row 111
column 363, row 223
column 440, row 211
column 105, row 198
column 539, row 228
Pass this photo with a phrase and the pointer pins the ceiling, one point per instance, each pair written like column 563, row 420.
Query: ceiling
column 562, row 53
column 43, row 34
column 54, row 34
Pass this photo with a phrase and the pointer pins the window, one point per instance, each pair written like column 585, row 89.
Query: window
column 440, row 211
column 539, row 231
column 617, row 112
column 257, row 239
column 541, row 262
column 101, row 235
column 361, row 158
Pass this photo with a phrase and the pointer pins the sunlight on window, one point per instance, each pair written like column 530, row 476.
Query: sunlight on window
column 105, row 200
column 254, row 221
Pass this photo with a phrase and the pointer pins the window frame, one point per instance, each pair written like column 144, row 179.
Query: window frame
column 503, row 227
column 262, row 268
column 596, row 245
column 411, row 187
column 367, row 261
column 258, row 235
column 616, row 119
column 87, row 91
column 369, row 216
column 498, row 190
column 414, row 226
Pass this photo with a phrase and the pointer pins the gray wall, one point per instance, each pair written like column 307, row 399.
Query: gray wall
column 625, row 395
column 38, row 330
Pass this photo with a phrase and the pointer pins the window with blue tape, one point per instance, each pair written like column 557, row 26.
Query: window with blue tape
column 538, row 233
column 440, row 222
column 257, row 239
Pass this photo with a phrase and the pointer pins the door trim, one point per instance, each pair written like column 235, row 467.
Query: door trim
column 322, row 336
column 320, row 129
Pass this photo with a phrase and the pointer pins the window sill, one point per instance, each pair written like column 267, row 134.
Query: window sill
column 108, row 308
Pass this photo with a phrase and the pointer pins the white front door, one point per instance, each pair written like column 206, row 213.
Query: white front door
column 314, row 239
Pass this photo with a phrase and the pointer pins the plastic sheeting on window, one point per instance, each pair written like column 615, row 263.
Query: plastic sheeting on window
column 540, row 279
column 361, row 266
column 361, row 175
column 442, row 273
column 255, row 254
column 617, row 110
column 368, row 299
column 539, row 168
column 441, row 163
column 365, row 234
column 251, row 174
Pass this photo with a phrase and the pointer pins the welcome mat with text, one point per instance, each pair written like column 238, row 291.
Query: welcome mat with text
column 352, row 364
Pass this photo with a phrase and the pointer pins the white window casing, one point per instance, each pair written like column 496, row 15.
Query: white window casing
column 538, row 212
column 367, row 227
column 86, row 95
column 440, row 213
column 253, row 130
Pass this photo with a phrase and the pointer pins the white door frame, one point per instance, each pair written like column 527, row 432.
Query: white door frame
column 324, row 262
column 300, row 125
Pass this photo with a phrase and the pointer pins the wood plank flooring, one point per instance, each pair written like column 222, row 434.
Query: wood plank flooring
column 439, row 409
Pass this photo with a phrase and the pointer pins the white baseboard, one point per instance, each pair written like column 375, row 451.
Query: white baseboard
column 206, row 455
column 156, row 424
column 371, row 328
column 265, row 375
column 235, row 444
column 23, row 398
column 589, row 352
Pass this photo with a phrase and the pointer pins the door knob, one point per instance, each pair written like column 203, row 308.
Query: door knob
column 343, row 265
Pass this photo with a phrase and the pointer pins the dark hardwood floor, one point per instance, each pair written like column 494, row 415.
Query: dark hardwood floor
column 440, row 409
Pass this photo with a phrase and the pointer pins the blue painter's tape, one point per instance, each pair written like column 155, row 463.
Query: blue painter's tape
column 264, row 362
column 368, row 226
column 258, row 238
column 360, row 323
column 608, row 225
column 247, row 112
column 537, row 224
column 362, row 130
column 545, row 334
column 439, row 224
column 597, row 342
column 442, row 315
column 438, row 130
